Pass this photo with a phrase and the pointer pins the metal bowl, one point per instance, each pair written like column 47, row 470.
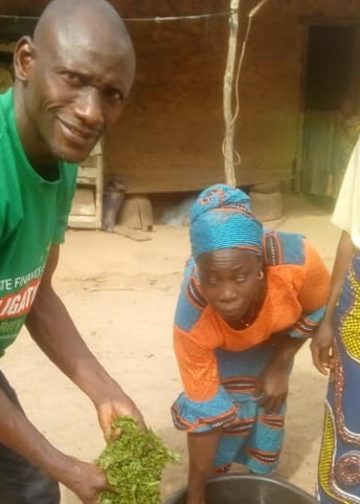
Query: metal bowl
column 249, row 489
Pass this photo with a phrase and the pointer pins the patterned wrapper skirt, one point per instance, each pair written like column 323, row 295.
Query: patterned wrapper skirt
column 255, row 437
column 339, row 465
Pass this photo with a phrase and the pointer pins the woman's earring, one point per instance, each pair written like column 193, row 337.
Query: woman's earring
column 260, row 275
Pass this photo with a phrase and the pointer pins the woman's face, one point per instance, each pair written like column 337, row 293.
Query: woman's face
column 229, row 280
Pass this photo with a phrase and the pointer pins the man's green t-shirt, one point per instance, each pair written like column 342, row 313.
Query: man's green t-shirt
column 33, row 216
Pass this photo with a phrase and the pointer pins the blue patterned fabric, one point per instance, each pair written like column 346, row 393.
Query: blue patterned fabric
column 248, row 435
column 339, row 465
column 204, row 416
column 255, row 437
column 222, row 218
column 255, row 440
column 190, row 303
column 308, row 324
column 283, row 248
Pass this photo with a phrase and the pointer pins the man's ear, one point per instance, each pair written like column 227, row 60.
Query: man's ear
column 24, row 56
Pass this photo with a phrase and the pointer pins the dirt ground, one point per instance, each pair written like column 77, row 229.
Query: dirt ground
column 122, row 295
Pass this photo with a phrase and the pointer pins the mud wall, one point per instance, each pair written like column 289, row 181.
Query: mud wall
column 171, row 133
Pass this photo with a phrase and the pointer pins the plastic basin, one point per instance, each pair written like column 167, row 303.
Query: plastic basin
column 248, row 489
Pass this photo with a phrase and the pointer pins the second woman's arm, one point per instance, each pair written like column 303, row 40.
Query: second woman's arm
column 321, row 346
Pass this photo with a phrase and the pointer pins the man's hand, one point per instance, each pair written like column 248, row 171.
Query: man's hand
column 273, row 387
column 322, row 348
column 86, row 480
column 116, row 404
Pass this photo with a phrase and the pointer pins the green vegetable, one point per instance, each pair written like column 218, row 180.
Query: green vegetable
column 133, row 465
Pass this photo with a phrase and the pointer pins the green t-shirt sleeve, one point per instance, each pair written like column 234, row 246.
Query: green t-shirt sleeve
column 66, row 194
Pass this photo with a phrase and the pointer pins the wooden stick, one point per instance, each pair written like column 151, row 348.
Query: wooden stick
column 231, row 87
column 230, row 176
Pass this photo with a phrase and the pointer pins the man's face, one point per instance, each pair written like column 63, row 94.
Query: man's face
column 75, row 88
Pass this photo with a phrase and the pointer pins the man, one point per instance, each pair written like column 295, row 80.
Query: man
column 71, row 81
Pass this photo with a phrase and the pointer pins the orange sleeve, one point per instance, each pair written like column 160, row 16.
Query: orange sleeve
column 198, row 366
column 315, row 290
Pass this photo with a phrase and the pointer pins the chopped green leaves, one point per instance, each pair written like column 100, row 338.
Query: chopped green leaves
column 133, row 465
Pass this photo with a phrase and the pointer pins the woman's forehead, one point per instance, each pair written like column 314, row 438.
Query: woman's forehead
column 233, row 258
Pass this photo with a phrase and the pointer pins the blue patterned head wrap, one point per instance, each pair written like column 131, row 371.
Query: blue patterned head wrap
column 221, row 218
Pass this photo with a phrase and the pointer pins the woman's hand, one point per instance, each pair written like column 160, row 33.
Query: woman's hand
column 322, row 348
column 273, row 387
column 202, row 449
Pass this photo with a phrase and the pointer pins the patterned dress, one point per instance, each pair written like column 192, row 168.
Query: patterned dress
column 339, row 467
column 220, row 366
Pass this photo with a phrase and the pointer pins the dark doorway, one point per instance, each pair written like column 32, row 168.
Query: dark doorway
column 330, row 98
column 331, row 51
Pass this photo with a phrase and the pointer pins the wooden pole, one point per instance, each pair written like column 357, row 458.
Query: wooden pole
column 229, row 80
column 231, row 87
